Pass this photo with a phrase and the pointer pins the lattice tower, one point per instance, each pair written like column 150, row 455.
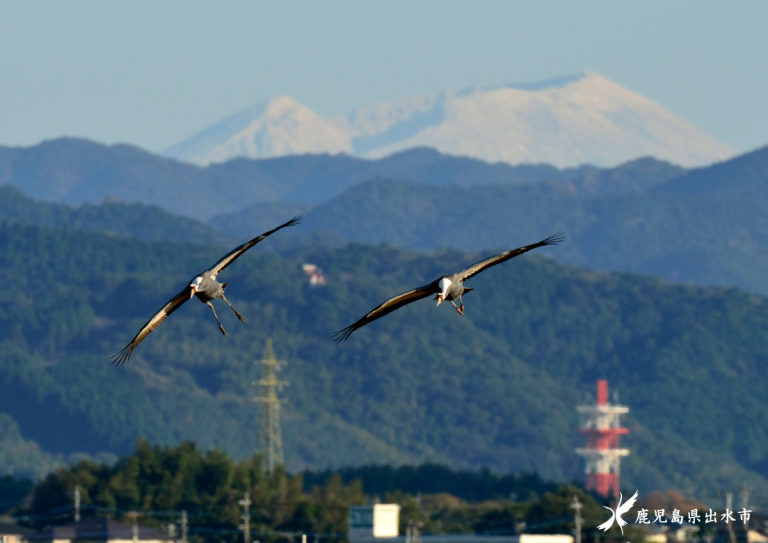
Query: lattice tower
column 270, row 434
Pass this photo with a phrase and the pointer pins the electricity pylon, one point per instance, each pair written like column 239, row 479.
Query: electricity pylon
column 269, row 414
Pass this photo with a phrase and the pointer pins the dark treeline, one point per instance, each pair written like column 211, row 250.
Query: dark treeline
column 13, row 491
column 472, row 486
column 158, row 483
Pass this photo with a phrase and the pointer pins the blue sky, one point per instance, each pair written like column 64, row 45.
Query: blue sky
column 154, row 73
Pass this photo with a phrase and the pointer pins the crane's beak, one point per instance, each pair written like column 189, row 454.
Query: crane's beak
column 193, row 290
column 439, row 299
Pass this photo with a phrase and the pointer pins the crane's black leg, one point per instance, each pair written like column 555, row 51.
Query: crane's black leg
column 239, row 316
column 461, row 309
column 217, row 319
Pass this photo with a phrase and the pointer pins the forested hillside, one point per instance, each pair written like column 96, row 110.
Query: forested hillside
column 709, row 227
column 111, row 217
column 705, row 226
column 496, row 388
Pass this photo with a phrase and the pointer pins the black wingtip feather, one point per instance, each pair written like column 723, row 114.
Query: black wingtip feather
column 294, row 221
column 342, row 335
column 555, row 239
column 122, row 357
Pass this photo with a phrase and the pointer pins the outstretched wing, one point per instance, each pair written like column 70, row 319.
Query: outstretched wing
column 230, row 257
column 474, row 269
column 123, row 356
column 623, row 508
column 388, row 307
column 605, row 525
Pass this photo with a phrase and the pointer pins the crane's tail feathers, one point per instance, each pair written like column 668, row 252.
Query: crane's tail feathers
column 123, row 356
column 342, row 335
column 555, row 239
column 466, row 290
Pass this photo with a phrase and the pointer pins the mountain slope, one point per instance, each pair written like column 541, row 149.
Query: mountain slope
column 22, row 458
column 569, row 121
column 497, row 387
column 111, row 217
column 75, row 171
column 745, row 176
column 708, row 226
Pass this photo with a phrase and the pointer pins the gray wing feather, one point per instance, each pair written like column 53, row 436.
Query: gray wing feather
column 230, row 257
column 388, row 307
column 173, row 304
column 474, row 269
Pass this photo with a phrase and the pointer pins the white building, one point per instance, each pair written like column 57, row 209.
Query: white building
column 379, row 524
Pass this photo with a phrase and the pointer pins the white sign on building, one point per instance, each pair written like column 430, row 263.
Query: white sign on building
column 373, row 521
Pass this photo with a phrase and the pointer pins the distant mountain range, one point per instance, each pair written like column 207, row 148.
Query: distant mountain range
column 565, row 122
column 75, row 171
column 705, row 225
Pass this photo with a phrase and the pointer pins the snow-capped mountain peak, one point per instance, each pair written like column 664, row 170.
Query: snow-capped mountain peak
column 564, row 122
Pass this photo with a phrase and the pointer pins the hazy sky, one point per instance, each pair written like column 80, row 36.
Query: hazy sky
column 153, row 73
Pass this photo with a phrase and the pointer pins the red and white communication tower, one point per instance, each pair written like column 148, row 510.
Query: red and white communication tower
column 601, row 424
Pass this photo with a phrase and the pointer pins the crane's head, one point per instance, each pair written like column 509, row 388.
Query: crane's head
column 443, row 284
column 195, row 284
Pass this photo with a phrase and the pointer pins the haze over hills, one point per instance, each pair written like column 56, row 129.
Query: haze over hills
column 496, row 388
column 75, row 171
column 703, row 226
column 111, row 217
column 707, row 226
column 565, row 122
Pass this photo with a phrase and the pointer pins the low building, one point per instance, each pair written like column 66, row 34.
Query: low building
column 369, row 522
column 316, row 277
column 476, row 538
column 379, row 524
column 99, row 530
column 482, row 538
column 12, row 533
